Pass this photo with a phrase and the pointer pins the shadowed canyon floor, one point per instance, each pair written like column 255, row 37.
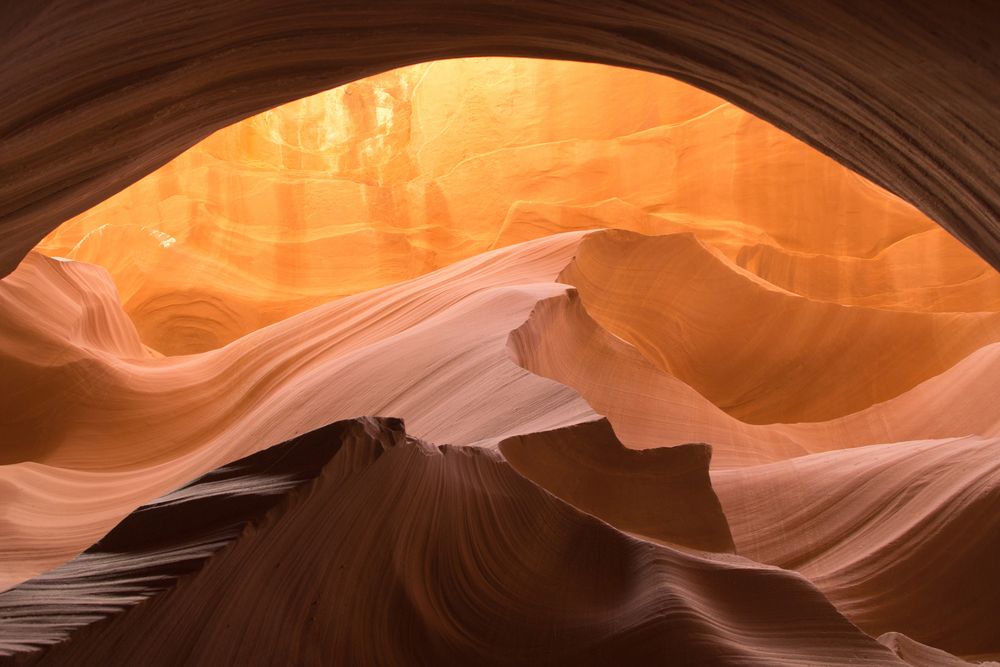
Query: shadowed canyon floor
column 676, row 390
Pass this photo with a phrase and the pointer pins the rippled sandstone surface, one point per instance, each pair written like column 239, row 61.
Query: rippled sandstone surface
column 500, row 360
column 393, row 176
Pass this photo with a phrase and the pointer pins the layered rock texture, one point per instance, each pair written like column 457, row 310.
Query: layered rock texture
column 98, row 96
column 498, row 361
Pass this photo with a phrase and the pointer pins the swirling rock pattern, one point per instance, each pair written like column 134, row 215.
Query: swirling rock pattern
column 917, row 654
column 752, row 425
column 432, row 351
column 893, row 531
column 415, row 581
column 458, row 351
column 381, row 180
column 655, row 293
column 157, row 544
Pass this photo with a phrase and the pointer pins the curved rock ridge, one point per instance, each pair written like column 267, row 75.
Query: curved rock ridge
column 88, row 422
column 432, row 350
column 381, row 559
column 793, row 366
column 916, row 273
column 903, row 95
column 760, row 353
column 61, row 326
column 494, row 290
column 899, row 537
column 159, row 543
column 50, row 305
column 650, row 408
column 919, row 655
column 664, row 494
column 380, row 181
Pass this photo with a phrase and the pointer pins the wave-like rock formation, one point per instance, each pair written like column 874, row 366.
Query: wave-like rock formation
column 651, row 408
column 381, row 180
column 919, row 655
column 158, row 544
column 401, row 552
column 677, row 389
column 462, row 352
column 761, row 353
column 890, row 533
column 432, row 351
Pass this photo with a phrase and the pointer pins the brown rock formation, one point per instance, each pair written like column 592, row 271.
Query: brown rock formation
column 383, row 559
column 758, row 352
column 650, row 408
column 904, row 95
column 891, row 533
column 663, row 494
column 769, row 357
column 127, row 430
column 920, row 655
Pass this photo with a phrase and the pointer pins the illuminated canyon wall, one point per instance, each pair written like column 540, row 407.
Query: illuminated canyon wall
column 393, row 176
column 674, row 387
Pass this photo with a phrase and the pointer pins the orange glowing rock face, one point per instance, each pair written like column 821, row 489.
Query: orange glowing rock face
column 649, row 350
column 408, row 171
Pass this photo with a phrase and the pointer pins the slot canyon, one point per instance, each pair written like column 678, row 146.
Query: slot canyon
column 433, row 333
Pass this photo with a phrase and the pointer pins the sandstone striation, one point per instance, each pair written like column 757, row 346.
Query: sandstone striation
column 498, row 360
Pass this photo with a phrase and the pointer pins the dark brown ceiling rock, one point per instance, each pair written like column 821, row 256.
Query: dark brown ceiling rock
column 98, row 94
